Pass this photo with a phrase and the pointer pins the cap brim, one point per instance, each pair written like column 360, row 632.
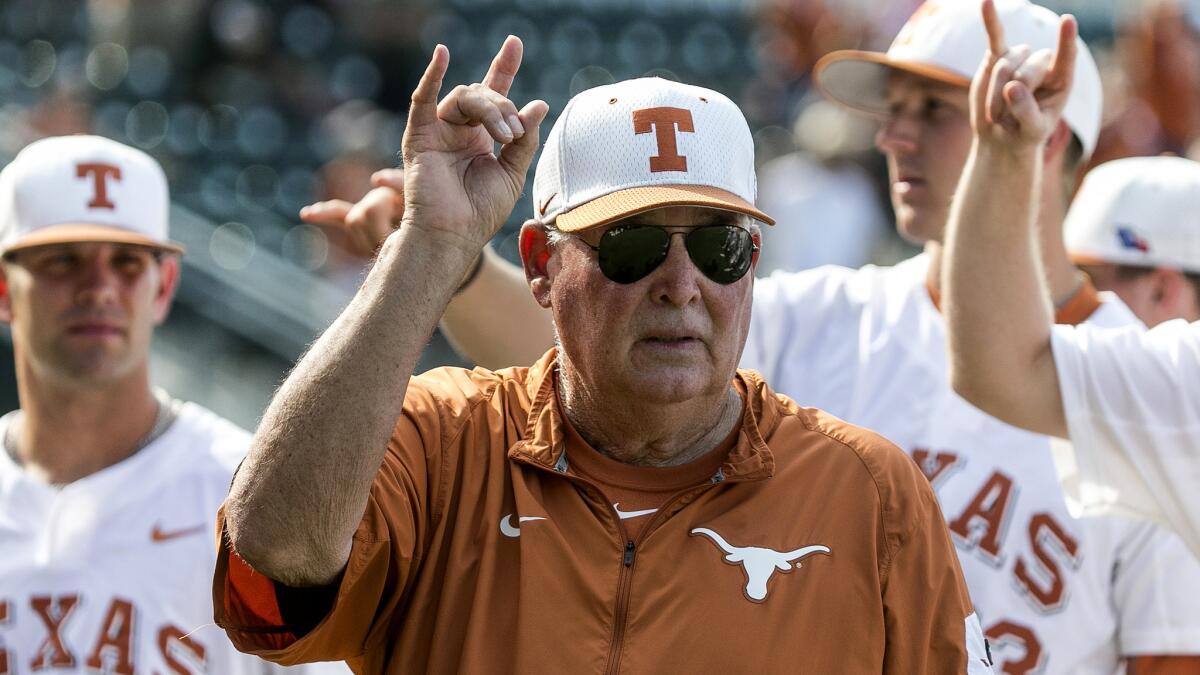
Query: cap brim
column 1081, row 258
column 858, row 79
column 624, row 203
column 82, row 233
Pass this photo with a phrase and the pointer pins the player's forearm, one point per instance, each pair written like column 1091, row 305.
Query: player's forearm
column 495, row 321
column 997, row 308
column 300, row 494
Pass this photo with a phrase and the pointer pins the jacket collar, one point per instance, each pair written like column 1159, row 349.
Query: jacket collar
column 544, row 443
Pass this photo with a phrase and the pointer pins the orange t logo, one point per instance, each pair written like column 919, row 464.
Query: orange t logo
column 100, row 174
column 664, row 121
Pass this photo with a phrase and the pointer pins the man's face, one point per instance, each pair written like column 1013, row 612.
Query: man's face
column 926, row 137
column 668, row 337
column 84, row 313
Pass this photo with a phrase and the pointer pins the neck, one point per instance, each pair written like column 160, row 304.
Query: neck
column 647, row 434
column 1062, row 277
column 68, row 432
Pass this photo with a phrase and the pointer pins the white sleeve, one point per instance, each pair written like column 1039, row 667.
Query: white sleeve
column 1155, row 585
column 802, row 337
column 1132, row 403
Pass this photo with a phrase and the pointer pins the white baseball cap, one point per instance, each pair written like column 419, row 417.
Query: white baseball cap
column 945, row 40
column 624, row 148
column 70, row 189
column 1142, row 211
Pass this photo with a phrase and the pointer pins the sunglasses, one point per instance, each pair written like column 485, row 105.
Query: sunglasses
column 627, row 253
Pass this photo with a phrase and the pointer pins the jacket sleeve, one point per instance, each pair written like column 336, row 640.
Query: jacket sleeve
column 387, row 548
column 930, row 624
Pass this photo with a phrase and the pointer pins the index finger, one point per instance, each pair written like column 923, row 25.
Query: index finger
column 504, row 67
column 995, row 29
column 1063, row 68
column 424, row 97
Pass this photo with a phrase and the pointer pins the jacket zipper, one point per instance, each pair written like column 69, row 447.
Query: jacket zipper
column 624, row 584
column 629, row 553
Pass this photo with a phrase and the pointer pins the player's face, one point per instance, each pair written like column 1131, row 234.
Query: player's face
column 669, row 337
column 926, row 137
column 84, row 313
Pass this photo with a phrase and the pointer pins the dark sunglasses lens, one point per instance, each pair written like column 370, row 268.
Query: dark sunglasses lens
column 628, row 254
column 722, row 253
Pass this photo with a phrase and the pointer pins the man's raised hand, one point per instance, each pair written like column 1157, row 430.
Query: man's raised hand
column 1018, row 94
column 454, row 184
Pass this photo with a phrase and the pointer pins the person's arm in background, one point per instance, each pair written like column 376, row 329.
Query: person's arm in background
column 492, row 320
column 998, row 312
column 300, row 494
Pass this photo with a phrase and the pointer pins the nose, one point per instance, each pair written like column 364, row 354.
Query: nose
column 97, row 283
column 676, row 282
column 897, row 135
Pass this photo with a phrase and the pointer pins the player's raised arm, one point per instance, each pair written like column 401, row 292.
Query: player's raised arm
column 301, row 492
column 997, row 308
column 492, row 319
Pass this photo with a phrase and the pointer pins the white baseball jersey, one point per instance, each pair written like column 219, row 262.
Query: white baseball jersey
column 113, row 572
column 1132, row 401
column 1054, row 594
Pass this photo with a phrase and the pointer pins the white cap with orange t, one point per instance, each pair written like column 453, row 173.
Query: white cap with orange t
column 1141, row 211
column 945, row 40
column 71, row 189
column 621, row 149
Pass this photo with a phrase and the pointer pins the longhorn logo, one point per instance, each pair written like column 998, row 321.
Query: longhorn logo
column 759, row 564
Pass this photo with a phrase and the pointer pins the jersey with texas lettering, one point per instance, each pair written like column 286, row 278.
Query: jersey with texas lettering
column 1055, row 594
column 113, row 573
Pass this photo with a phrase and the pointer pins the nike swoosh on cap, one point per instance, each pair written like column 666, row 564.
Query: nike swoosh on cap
column 513, row 531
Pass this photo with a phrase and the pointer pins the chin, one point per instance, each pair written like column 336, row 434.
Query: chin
column 918, row 227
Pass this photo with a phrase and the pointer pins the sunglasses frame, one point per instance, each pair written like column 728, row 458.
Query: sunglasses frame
column 666, row 251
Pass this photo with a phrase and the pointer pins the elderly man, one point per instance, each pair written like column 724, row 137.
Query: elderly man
column 1129, row 400
column 1064, row 594
column 630, row 502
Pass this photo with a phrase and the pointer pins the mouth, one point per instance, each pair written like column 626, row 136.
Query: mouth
column 671, row 342
column 905, row 184
column 94, row 330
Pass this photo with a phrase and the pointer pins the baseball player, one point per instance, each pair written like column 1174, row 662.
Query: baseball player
column 108, row 487
column 1131, row 229
column 1056, row 594
column 1128, row 399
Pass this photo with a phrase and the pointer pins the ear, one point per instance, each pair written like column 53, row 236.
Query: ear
column 535, row 258
column 168, row 283
column 756, row 237
column 5, row 299
column 1056, row 145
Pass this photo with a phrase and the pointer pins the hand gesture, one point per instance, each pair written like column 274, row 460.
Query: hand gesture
column 454, row 185
column 1018, row 95
column 369, row 221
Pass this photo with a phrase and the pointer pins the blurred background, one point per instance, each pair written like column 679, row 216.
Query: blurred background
column 256, row 108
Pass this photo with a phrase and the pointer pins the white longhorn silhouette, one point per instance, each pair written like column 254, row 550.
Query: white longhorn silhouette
column 759, row 563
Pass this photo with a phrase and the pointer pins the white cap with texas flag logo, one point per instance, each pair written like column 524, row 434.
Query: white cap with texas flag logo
column 70, row 189
column 621, row 149
column 945, row 40
column 1139, row 211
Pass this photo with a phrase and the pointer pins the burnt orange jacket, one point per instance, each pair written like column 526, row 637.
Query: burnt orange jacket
column 817, row 547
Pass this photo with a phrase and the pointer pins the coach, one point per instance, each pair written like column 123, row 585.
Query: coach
column 631, row 502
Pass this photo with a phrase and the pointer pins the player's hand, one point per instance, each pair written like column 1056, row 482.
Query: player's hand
column 368, row 222
column 1018, row 95
column 455, row 187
